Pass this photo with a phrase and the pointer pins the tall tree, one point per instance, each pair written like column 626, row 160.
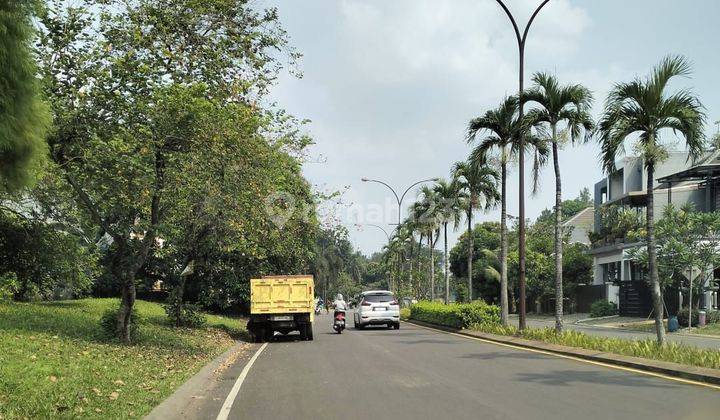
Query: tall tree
column 448, row 198
column 479, row 184
column 119, row 136
column 24, row 117
column 428, row 217
column 503, row 128
column 557, row 104
column 644, row 108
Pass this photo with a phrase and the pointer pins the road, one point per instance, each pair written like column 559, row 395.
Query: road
column 416, row 373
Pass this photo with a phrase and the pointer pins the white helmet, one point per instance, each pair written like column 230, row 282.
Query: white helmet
column 339, row 297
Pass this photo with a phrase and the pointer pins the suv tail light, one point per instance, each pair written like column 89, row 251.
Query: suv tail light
column 394, row 302
column 365, row 303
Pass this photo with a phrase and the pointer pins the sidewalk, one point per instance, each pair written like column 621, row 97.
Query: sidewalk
column 599, row 330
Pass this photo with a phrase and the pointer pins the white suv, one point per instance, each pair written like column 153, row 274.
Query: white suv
column 377, row 307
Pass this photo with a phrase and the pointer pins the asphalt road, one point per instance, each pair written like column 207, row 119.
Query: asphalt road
column 415, row 373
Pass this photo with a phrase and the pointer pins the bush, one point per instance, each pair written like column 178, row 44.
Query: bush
column 602, row 308
column 185, row 315
column 682, row 317
column 455, row 315
column 108, row 324
column 8, row 286
column 404, row 313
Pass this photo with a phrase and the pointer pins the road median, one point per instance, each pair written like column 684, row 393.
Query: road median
column 677, row 370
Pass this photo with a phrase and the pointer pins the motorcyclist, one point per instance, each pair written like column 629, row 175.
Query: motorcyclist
column 339, row 304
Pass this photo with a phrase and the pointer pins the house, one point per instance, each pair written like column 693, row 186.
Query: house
column 620, row 204
column 580, row 226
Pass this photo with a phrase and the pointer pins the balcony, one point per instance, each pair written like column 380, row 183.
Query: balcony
column 619, row 226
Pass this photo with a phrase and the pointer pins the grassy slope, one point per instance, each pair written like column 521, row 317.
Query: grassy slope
column 54, row 361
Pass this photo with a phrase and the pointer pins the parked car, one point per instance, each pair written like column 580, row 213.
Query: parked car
column 377, row 307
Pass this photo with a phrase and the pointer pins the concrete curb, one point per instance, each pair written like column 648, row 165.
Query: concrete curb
column 711, row 376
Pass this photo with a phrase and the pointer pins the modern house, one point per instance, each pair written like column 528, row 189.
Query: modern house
column 620, row 203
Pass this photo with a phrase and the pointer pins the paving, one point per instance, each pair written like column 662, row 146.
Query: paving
column 416, row 373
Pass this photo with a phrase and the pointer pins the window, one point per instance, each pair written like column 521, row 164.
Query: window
column 379, row 298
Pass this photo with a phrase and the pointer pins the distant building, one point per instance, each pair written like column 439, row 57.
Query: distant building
column 580, row 226
column 678, row 181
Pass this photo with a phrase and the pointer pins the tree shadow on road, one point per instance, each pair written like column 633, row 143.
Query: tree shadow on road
column 570, row 377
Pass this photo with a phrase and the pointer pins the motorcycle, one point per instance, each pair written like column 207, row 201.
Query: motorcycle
column 339, row 323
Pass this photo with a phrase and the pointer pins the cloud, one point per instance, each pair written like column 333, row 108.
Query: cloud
column 390, row 85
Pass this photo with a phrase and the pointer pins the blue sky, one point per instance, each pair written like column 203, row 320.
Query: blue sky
column 390, row 85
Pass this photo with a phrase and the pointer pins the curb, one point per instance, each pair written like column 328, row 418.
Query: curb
column 677, row 370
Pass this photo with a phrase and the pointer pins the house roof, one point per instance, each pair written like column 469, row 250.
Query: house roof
column 584, row 218
column 707, row 167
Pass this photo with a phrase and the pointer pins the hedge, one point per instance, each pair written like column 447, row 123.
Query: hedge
column 455, row 315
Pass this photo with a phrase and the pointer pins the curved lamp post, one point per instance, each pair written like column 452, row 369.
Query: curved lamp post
column 521, row 161
column 399, row 198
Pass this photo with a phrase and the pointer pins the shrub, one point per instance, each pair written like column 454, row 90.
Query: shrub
column 712, row 317
column 455, row 315
column 602, row 308
column 108, row 324
column 8, row 286
column 404, row 313
column 185, row 315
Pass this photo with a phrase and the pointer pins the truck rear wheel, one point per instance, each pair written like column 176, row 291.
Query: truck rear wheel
column 309, row 332
column 259, row 334
column 303, row 332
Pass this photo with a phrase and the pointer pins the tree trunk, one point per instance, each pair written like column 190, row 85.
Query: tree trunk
column 432, row 267
column 503, row 247
column 127, row 303
column 470, row 256
column 652, row 259
column 445, row 267
column 558, row 236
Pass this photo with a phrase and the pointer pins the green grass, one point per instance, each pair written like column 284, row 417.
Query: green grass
column 54, row 361
column 710, row 329
column 671, row 352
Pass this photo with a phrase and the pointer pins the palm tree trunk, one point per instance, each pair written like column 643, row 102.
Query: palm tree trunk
column 558, row 236
column 652, row 259
column 445, row 267
column 432, row 267
column 470, row 255
column 503, row 246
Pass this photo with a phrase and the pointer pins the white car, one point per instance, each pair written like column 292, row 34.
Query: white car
column 377, row 307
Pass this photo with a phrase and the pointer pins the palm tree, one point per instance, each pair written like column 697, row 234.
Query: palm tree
column 427, row 215
column 477, row 182
column 503, row 128
column 448, row 198
column 557, row 104
column 644, row 108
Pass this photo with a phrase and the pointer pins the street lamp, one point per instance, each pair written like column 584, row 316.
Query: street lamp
column 400, row 198
column 521, row 161
column 375, row 226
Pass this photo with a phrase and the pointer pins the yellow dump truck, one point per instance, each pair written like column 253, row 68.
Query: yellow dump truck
column 283, row 304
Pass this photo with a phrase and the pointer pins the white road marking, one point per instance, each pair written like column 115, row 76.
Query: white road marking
column 227, row 405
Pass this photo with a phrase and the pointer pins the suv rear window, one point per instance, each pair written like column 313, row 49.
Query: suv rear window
column 378, row 298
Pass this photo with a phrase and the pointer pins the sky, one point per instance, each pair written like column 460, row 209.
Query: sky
column 390, row 85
